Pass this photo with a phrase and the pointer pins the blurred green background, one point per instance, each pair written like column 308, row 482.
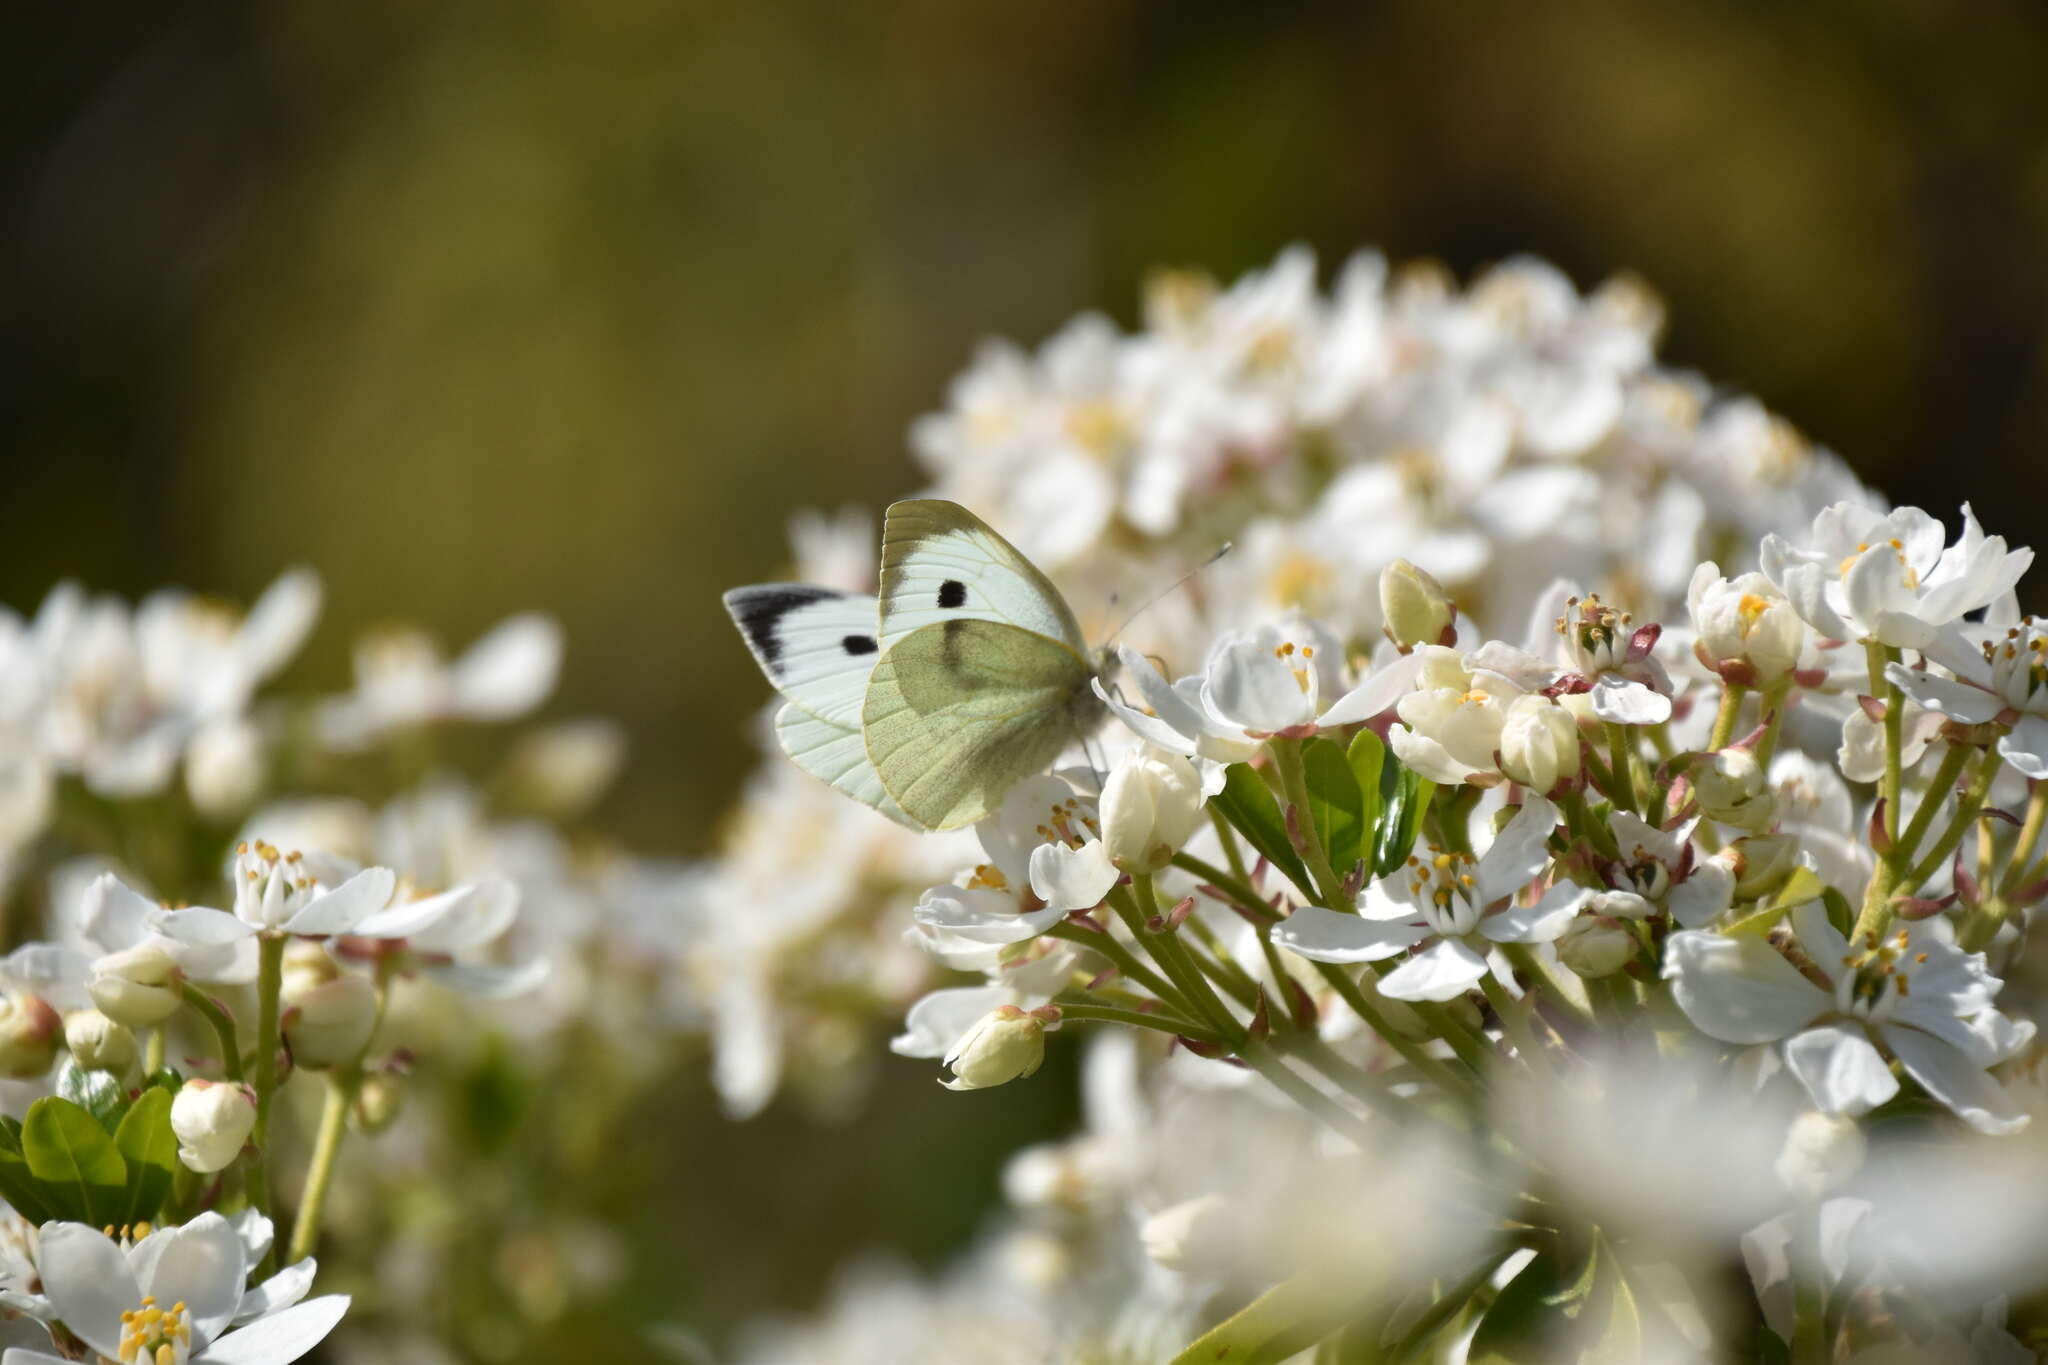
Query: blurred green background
column 484, row 306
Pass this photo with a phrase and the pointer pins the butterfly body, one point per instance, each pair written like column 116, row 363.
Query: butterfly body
column 966, row 674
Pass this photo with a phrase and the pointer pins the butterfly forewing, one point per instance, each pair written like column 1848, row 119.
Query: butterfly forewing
column 940, row 562
column 817, row 646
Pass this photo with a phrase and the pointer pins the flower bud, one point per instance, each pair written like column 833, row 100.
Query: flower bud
column 1539, row 744
column 137, row 986
column 1150, row 805
column 97, row 1043
column 1594, row 946
column 29, row 1030
column 1005, row 1045
column 1732, row 789
column 1821, row 1152
column 1195, row 1237
column 1413, row 606
column 224, row 768
column 212, row 1120
column 1746, row 629
column 327, row 1022
column 1762, row 863
column 378, row 1101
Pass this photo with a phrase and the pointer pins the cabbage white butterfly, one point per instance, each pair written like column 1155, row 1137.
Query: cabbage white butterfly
column 965, row 675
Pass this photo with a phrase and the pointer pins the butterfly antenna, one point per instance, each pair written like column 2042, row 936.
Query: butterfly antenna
column 1156, row 598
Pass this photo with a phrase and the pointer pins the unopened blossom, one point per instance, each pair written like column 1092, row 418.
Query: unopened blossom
column 139, row 986
column 1731, row 789
column 1006, row 1044
column 97, row 1043
column 1413, row 607
column 29, row 1034
column 327, row 1017
column 1595, row 945
column 2004, row 681
column 1860, row 574
column 1744, row 628
column 1448, row 906
column 1150, row 805
column 212, row 1120
column 1539, row 744
column 1846, row 1009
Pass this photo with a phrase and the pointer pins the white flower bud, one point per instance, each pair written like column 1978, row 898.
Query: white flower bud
column 1195, row 1237
column 137, row 986
column 1005, row 1045
column 1413, row 606
column 1595, row 946
column 1733, row 790
column 212, row 1120
column 1539, row 744
column 1761, row 863
column 97, row 1043
column 328, row 1022
column 224, row 768
column 1821, row 1152
column 29, row 1031
column 1150, row 805
column 1745, row 627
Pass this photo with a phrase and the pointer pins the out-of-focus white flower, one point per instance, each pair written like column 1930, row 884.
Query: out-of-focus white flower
column 1730, row 787
column 1539, row 744
column 224, row 767
column 1006, row 1044
column 1822, row 1151
column 178, row 1295
column 2006, row 682
column 212, row 1120
column 97, row 1043
column 1150, row 805
column 402, row 679
column 1915, row 996
column 1449, row 906
column 1865, row 575
column 1197, row 1236
column 1744, row 628
column 561, row 770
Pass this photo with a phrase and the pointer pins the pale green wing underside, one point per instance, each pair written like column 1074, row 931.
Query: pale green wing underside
column 958, row 711
column 835, row 754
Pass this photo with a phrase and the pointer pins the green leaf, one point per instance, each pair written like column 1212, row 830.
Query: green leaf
column 1841, row 914
column 1284, row 1321
column 1514, row 1331
column 1248, row 804
column 1335, row 804
column 1404, row 798
column 146, row 1142
column 96, row 1092
column 17, row 1186
column 1368, row 756
column 75, row 1162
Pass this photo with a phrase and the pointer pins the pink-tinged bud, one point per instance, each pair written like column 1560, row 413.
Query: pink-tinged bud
column 29, row 1033
column 1149, row 808
column 378, row 1101
column 1746, row 624
column 97, row 1043
column 1414, row 606
column 212, row 1120
column 1005, row 1045
column 140, row 986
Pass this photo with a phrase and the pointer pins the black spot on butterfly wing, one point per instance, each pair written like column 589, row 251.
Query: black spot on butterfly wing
column 858, row 644
column 952, row 593
column 758, row 611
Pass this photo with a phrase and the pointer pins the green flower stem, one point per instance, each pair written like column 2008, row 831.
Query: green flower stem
column 1076, row 1006
column 1264, row 1060
column 1932, row 800
column 1239, row 890
column 1225, row 969
column 1172, row 956
column 1447, row 1078
column 1579, row 820
column 1809, row 1291
column 1876, row 656
column 1227, row 837
column 1968, row 808
column 1515, row 1022
column 1539, row 974
column 341, row 1088
column 1102, row 942
column 2030, row 838
column 1775, row 707
column 223, row 1028
column 1294, row 785
column 1622, row 760
column 269, row 985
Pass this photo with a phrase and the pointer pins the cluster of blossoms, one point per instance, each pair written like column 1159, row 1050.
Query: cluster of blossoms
column 1686, row 926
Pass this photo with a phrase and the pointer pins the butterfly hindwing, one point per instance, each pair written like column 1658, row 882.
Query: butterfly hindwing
column 959, row 710
column 815, row 644
column 835, row 754
column 940, row 562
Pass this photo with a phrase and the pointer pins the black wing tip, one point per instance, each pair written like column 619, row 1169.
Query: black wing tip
column 757, row 609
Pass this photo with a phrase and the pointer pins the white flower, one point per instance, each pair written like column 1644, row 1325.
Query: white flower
column 1045, row 860
column 1453, row 720
column 176, row 1297
column 1915, row 996
column 2005, row 681
column 1605, row 657
column 1449, row 906
column 1006, row 1044
column 212, row 1120
column 402, row 680
column 1660, row 871
column 1821, row 1152
column 1150, row 805
column 1745, row 628
column 328, row 1022
column 1865, row 575
column 1596, row 945
column 1539, row 744
column 98, row 1043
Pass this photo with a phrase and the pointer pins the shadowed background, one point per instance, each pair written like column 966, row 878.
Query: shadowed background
column 478, row 307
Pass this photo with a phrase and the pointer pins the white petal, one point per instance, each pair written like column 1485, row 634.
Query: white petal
column 490, row 980
column 1703, row 895
column 1952, row 1079
column 1325, row 936
column 256, row 1232
column 113, row 915
column 276, row 626
column 1840, row 1069
column 339, row 911
column 280, row 1338
column 1805, row 586
column 201, row 1264
column 1739, row 989
column 1376, row 692
column 1424, row 755
column 1624, row 701
column 56, row 974
column 409, row 918
column 200, row 927
column 17, row 1355
column 2026, row 748
column 1538, row 923
column 509, row 671
column 1072, row 878
column 1957, row 701
column 89, row 1283
column 1443, row 971
column 981, row 916
column 488, row 911
column 1519, row 852
column 1246, row 686
column 939, row 1018
column 279, row 1292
